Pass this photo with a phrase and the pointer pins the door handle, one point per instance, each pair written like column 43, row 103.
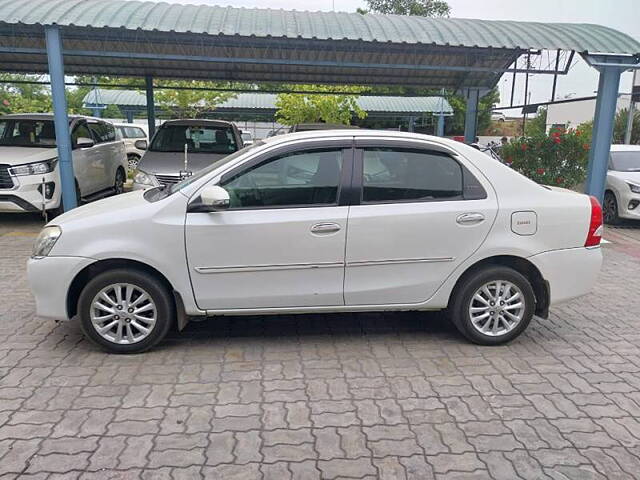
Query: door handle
column 470, row 218
column 325, row 228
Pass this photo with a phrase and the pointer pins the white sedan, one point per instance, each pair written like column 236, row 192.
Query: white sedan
column 622, row 195
column 324, row 221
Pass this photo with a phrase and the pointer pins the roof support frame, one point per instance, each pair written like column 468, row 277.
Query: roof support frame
column 274, row 61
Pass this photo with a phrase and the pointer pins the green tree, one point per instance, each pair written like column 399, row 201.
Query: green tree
column 22, row 97
column 538, row 124
column 620, row 127
column 191, row 103
column 455, row 125
column 294, row 108
column 422, row 8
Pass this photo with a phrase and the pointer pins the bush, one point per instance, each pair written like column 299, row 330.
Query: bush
column 559, row 158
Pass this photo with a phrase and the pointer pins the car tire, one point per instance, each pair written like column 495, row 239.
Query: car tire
column 610, row 209
column 495, row 285
column 118, row 185
column 132, row 161
column 99, row 307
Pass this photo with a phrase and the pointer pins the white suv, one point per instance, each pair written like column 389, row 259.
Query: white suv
column 325, row 221
column 29, row 170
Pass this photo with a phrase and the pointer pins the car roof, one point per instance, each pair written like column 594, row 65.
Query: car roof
column 198, row 121
column 625, row 148
column 360, row 133
column 46, row 116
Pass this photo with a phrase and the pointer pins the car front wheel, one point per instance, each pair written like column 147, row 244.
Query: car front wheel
column 493, row 306
column 610, row 209
column 125, row 311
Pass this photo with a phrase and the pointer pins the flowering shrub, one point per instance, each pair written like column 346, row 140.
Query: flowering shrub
column 559, row 158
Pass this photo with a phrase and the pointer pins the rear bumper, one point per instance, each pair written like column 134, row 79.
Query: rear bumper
column 571, row 273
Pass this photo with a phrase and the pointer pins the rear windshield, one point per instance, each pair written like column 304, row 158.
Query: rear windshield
column 625, row 161
column 198, row 139
column 27, row 133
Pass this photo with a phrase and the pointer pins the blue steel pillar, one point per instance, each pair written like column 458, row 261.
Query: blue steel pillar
column 603, row 131
column 412, row 124
column 471, row 115
column 440, row 128
column 151, row 108
column 61, row 119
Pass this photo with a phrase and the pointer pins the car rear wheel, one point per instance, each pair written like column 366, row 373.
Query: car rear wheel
column 493, row 306
column 610, row 209
column 125, row 311
column 118, row 186
column 132, row 161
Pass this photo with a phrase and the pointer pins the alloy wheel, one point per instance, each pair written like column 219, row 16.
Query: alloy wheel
column 496, row 308
column 123, row 313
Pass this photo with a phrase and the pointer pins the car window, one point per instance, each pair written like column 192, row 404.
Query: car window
column 109, row 132
column 27, row 133
column 626, row 161
column 197, row 138
column 131, row 132
column 98, row 131
column 293, row 179
column 396, row 175
column 80, row 131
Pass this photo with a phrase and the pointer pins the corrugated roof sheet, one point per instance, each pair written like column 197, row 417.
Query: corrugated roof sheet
column 103, row 96
column 267, row 101
column 229, row 21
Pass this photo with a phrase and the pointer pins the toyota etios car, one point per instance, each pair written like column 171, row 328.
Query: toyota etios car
column 327, row 221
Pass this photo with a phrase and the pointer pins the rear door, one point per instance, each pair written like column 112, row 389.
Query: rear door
column 420, row 213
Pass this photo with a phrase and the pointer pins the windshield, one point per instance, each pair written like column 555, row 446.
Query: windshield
column 205, row 171
column 626, row 161
column 198, row 139
column 27, row 133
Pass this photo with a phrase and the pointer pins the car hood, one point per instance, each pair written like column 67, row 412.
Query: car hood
column 171, row 163
column 633, row 177
column 19, row 155
column 117, row 204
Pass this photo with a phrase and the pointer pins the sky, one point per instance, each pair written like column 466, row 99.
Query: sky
column 623, row 15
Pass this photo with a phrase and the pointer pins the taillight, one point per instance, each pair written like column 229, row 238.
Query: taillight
column 595, row 226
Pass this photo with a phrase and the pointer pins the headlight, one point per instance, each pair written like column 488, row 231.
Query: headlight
column 46, row 240
column 144, row 178
column 36, row 168
column 634, row 188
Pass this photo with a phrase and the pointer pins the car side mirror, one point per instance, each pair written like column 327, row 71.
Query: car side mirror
column 84, row 142
column 214, row 197
column 141, row 144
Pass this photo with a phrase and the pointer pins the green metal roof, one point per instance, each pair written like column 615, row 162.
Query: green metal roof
column 228, row 21
column 104, row 96
column 136, row 38
column 267, row 102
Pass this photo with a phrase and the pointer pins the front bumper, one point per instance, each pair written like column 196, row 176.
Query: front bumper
column 629, row 205
column 571, row 272
column 50, row 279
column 25, row 196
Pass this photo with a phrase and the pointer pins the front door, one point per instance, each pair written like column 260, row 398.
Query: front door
column 281, row 243
column 421, row 214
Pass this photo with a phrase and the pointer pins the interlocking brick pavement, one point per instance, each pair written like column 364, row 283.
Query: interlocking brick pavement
column 392, row 396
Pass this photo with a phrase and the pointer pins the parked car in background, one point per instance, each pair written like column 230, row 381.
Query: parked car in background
column 247, row 138
column 317, row 222
column 136, row 141
column 181, row 148
column 498, row 117
column 29, row 168
column 622, row 193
